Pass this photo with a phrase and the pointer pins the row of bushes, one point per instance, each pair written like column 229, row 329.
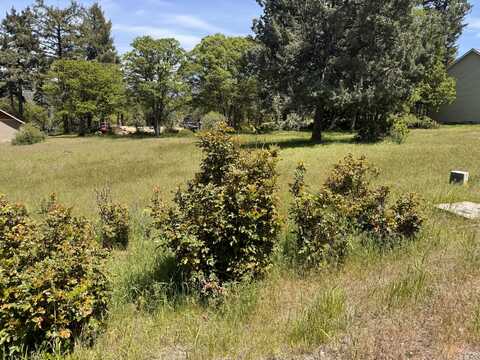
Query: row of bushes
column 222, row 228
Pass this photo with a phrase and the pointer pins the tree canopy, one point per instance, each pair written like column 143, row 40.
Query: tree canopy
column 219, row 75
column 152, row 73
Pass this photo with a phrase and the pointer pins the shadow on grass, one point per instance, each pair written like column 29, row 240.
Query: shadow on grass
column 293, row 143
column 136, row 136
column 159, row 283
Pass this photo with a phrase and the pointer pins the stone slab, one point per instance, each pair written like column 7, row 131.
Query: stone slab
column 466, row 209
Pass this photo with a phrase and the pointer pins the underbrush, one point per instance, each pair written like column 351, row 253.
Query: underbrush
column 28, row 135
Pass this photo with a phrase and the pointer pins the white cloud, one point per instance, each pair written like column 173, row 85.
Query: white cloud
column 187, row 41
column 474, row 23
column 190, row 22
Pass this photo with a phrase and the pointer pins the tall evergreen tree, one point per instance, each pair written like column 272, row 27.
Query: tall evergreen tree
column 339, row 56
column 59, row 29
column 96, row 38
column 20, row 56
column 452, row 22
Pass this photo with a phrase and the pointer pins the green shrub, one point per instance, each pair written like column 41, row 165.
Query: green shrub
column 223, row 227
column 38, row 115
column 421, row 122
column 266, row 127
column 322, row 231
column 52, row 281
column 28, row 135
column 399, row 130
column 114, row 221
column 212, row 120
column 347, row 205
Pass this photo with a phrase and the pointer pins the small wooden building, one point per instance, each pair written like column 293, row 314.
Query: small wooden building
column 9, row 125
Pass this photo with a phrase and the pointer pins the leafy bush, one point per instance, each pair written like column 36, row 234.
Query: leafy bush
column 266, row 127
column 38, row 116
column 28, row 135
column 114, row 221
column 421, row 122
column 322, row 232
column 399, row 131
column 345, row 205
column 223, row 227
column 212, row 120
column 52, row 281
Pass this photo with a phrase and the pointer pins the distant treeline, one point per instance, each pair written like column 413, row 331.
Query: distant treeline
column 348, row 64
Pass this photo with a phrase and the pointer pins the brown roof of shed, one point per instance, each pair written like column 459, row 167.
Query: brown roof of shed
column 10, row 120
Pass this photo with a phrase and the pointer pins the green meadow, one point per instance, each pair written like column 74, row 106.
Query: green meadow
column 420, row 300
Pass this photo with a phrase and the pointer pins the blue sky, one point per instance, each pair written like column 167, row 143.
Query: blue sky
column 190, row 20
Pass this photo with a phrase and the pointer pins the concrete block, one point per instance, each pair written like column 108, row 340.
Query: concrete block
column 459, row 177
column 465, row 209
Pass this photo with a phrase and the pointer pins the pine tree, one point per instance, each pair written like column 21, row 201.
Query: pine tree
column 20, row 56
column 356, row 59
column 452, row 22
column 96, row 38
column 58, row 29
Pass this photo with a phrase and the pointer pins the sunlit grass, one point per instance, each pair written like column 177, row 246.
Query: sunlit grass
column 388, row 299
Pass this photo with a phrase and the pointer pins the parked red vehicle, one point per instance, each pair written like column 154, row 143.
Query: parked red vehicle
column 104, row 128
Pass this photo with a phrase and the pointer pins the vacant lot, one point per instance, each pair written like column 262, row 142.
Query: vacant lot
column 421, row 301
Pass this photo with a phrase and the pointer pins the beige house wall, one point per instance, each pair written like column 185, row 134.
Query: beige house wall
column 7, row 133
column 466, row 108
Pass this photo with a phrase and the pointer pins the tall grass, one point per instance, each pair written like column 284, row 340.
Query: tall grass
column 322, row 319
column 411, row 286
column 290, row 311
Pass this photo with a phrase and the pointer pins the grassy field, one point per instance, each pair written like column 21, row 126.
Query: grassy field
column 421, row 301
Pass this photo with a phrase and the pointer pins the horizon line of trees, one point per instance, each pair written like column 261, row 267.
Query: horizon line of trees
column 338, row 62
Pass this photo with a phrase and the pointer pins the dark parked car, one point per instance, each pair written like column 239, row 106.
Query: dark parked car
column 191, row 124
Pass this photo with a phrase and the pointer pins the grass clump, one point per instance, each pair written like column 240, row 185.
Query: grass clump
column 28, row 135
column 53, row 286
column 321, row 320
column 410, row 287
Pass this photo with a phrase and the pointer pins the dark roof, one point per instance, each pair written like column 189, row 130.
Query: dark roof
column 10, row 120
column 471, row 51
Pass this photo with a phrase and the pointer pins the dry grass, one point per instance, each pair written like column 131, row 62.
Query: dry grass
column 420, row 301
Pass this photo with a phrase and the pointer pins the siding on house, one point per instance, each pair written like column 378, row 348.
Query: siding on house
column 9, row 126
column 466, row 108
column 7, row 133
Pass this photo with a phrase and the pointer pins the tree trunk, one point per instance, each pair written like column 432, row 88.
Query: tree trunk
column 89, row 123
column 83, row 122
column 11, row 96
column 21, row 100
column 66, row 125
column 156, row 125
column 317, row 125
